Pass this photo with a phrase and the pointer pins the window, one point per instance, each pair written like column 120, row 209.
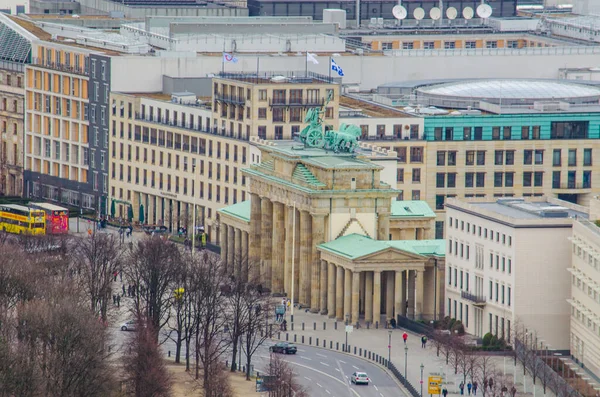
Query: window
column 524, row 132
column 439, row 203
column 451, row 179
column 499, row 157
column 569, row 129
column 572, row 157
column 400, row 175
column 262, row 95
column 539, row 157
column 478, row 133
column 470, row 157
column 466, row 133
column 587, row 157
column 507, row 133
column 428, row 45
column 535, row 132
column 527, row 157
column 527, row 179
column 509, row 179
column 469, row 179
column 416, row 154
column 416, row 175
column 452, row 158
column 440, row 179
column 498, row 176
column 510, row 157
column 491, row 44
column 416, row 195
column 449, row 45
column 480, row 179
column 556, row 153
column 470, row 44
column 512, row 44
column 480, row 157
column 495, row 133
column 587, row 179
column 386, row 46
column 262, row 113
column 408, row 46
column 538, row 178
column 441, row 158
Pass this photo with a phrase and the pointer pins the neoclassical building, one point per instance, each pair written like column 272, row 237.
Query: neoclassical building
column 326, row 228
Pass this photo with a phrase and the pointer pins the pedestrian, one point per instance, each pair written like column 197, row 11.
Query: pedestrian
column 405, row 337
column 462, row 388
column 444, row 392
column 423, row 341
column 475, row 388
column 469, row 386
column 118, row 300
column 114, row 299
column 491, row 383
column 123, row 289
column 513, row 391
column 121, row 275
column 115, row 274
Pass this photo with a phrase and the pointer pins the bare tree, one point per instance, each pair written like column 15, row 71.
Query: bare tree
column 145, row 370
column 256, row 327
column 153, row 266
column 283, row 381
column 484, row 371
column 97, row 258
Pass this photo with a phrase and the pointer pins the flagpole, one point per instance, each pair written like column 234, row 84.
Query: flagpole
column 306, row 65
column 223, row 60
column 293, row 261
column 329, row 68
column 257, row 66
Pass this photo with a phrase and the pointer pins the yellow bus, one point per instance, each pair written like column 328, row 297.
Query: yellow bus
column 18, row 219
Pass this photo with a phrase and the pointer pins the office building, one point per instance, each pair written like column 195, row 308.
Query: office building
column 506, row 261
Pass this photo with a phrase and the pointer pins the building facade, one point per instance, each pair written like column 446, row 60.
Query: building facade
column 506, row 261
column 329, row 217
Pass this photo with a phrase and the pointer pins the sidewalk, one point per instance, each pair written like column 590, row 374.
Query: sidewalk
column 377, row 340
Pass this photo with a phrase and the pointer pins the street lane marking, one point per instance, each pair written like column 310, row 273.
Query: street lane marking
column 307, row 378
column 343, row 362
column 324, row 374
column 321, row 355
column 375, row 387
column 301, row 350
column 327, row 391
column 325, row 364
column 381, row 394
column 306, row 358
column 337, row 369
column 319, row 385
column 355, row 367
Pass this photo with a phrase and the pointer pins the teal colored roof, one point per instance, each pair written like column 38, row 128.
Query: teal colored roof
column 303, row 174
column 240, row 210
column 355, row 246
column 411, row 208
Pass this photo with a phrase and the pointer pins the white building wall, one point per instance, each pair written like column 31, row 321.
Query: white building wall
column 12, row 5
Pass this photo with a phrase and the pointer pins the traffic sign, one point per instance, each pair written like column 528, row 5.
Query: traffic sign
column 349, row 328
column 435, row 385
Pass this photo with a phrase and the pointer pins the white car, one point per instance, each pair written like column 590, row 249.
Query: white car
column 359, row 378
column 128, row 326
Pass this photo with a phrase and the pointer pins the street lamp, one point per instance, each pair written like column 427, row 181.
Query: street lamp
column 405, row 361
column 347, row 350
column 389, row 346
column 422, row 367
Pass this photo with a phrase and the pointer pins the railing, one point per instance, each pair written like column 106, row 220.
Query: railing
column 292, row 77
column 189, row 126
column 572, row 185
column 230, row 99
column 61, row 67
column 297, row 102
column 496, row 52
column 472, row 297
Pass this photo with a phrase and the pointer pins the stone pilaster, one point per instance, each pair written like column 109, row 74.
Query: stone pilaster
column 297, row 254
column 230, row 249
column 289, row 246
column 398, row 294
column 331, row 278
column 254, row 244
column 411, row 294
column 420, row 287
column 223, row 242
column 318, row 237
column 389, row 295
column 339, row 293
column 376, row 296
column 383, row 226
column 245, row 256
column 323, row 287
column 151, row 208
column 347, row 293
column 305, row 257
column 266, row 240
column 237, row 258
column 278, row 248
column 355, row 296
column 405, row 292
column 160, row 215
column 369, row 297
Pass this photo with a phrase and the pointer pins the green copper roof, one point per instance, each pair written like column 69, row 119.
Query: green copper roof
column 240, row 210
column 411, row 208
column 355, row 246
column 303, row 174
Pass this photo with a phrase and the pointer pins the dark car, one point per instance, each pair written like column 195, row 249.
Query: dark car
column 283, row 347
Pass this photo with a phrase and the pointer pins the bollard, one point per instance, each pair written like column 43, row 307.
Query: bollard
column 324, row 343
column 292, row 326
column 376, row 324
column 287, row 336
column 354, row 349
column 303, row 326
column 317, row 344
column 331, row 344
column 257, row 374
column 302, row 338
column 369, row 354
column 279, row 335
column 324, row 325
column 226, row 362
column 337, row 345
column 169, row 354
column 310, row 340
column 368, row 324
column 360, row 351
column 244, row 369
column 335, row 325
column 295, row 340
column 315, row 326
column 357, row 326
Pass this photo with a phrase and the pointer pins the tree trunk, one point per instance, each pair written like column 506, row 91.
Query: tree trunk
column 178, row 344
column 234, row 348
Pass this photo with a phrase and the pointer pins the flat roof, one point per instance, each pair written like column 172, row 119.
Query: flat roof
column 239, row 210
column 519, row 209
column 411, row 208
column 49, row 206
column 371, row 109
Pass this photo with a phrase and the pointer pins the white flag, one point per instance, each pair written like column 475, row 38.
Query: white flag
column 229, row 58
column 311, row 58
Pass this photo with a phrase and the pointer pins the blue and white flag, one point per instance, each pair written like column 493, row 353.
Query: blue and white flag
column 336, row 68
column 229, row 58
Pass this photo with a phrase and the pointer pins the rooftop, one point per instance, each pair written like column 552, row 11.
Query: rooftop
column 354, row 246
column 411, row 208
column 239, row 210
column 369, row 109
column 276, row 77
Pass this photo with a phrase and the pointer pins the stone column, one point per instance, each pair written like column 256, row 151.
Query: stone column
column 245, row 256
column 347, row 294
column 297, row 251
column 305, row 257
column 289, row 246
column 398, row 296
column 420, row 286
column 237, row 258
column 419, row 233
column 223, row 242
column 278, row 248
column 254, row 243
column 266, row 246
column 339, row 293
column 389, row 295
column 405, row 292
column 369, row 297
column 331, row 278
column 355, row 296
column 318, row 237
column 376, row 296
column 383, row 226
column 230, row 249
column 411, row 294
column 160, row 215
column 323, row 287
column 150, row 219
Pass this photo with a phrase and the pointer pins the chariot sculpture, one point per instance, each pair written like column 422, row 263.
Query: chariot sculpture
column 313, row 135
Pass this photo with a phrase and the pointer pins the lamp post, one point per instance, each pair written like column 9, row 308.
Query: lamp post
column 389, row 346
column 196, row 189
column 347, row 350
column 422, row 368
column 405, row 362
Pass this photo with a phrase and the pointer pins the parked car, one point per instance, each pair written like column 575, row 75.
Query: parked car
column 283, row 347
column 359, row 378
column 128, row 326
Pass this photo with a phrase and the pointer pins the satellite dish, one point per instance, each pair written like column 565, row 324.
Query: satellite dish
column 451, row 13
column 484, row 11
column 435, row 13
column 399, row 12
column 419, row 13
column 468, row 13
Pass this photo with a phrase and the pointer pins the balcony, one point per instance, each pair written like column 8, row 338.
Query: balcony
column 61, row 67
column 477, row 300
column 580, row 187
column 296, row 102
column 233, row 99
